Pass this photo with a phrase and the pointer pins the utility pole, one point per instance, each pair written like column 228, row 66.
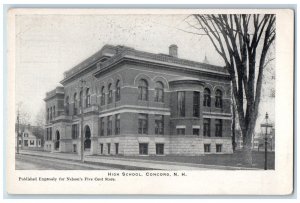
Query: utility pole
column 82, row 82
column 18, row 134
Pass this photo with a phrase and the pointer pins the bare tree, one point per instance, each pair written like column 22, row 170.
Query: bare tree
column 24, row 116
column 38, row 130
column 23, row 119
column 243, row 42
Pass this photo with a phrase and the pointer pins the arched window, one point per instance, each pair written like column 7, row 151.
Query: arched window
column 102, row 95
column 50, row 113
column 143, row 90
column 118, row 91
column 159, row 92
column 75, row 104
column 218, row 99
column 206, row 101
column 80, row 99
column 67, row 106
column 88, row 98
column 110, row 93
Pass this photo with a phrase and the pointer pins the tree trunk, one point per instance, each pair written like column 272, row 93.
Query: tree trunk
column 233, row 125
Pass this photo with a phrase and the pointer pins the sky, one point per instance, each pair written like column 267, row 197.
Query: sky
column 48, row 45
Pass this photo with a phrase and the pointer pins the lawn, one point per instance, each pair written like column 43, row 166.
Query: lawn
column 235, row 159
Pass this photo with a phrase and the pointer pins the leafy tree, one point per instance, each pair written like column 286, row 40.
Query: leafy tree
column 243, row 41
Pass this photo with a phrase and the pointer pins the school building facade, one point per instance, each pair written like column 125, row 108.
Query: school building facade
column 139, row 103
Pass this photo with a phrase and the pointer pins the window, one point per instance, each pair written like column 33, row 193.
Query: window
column 101, row 148
column 206, row 147
column 181, row 104
column 88, row 98
column 196, row 131
column 218, row 99
column 101, row 126
column 110, row 98
column 31, row 142
column 103, row 96
column 206, row 101
column 218, row 128
column 143, row 124
column 74, row 148
column 75, row 104
column 109, row 125
column 143, row 90
column 50, row 113
column 108, row 148
column 118, row 91
column 75, row 131
column 196, row 104
column 159, row 124
column 159, row 149
column 206, row 127
column 143, row 148
column 80, row 99
column 53, row 112
column 26, row 143
column 50, row 133
column 117, row 148
column 180, row 131
column 117, row 124
column 218, row 148
column 67, row 106
column 159, row 92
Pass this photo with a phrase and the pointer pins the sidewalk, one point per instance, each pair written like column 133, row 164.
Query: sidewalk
column 131, row 163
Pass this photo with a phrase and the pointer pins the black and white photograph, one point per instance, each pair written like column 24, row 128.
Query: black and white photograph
column 143, row 93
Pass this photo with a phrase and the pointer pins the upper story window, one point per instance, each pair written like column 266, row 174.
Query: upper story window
column 118, row 91
column 159, row 92
column 196, row 104
column 143, row 124
column 117, row 124
column 143, row 90
column 67, row 106
column 50, row 113
column 110, row 93
column 181, row 104
column 109, row 125
column 159, row 124
column 218, row 132
column 206, row 100
column 206, row 127
column 75, row 131
column 88, row 98
column 218, row 99
column 75, row 104
column 54, row 112
column 103, row 95
column 80, row 99
column 102, row 126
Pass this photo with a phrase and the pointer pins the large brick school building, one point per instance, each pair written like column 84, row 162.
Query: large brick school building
column 140, row 103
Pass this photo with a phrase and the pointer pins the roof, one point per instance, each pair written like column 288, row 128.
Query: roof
column 110, row 55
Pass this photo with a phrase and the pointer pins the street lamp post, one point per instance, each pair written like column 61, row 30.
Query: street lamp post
column 82, row 83
column 266, row 126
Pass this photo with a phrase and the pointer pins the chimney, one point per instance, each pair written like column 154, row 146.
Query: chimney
column 173, row 50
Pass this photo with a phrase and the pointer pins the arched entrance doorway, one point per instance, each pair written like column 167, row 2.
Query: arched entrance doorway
column 87, row 141
column 56, row 145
